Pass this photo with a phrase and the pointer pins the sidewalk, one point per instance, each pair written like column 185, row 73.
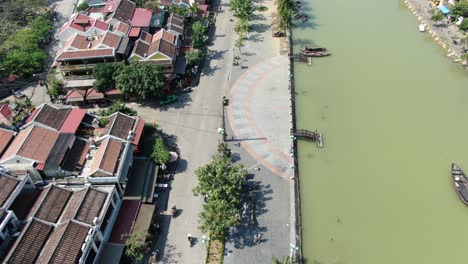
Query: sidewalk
column 259, row 123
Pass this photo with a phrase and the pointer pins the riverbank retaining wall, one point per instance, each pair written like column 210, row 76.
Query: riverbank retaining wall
column 296, row 243
column 452, row 51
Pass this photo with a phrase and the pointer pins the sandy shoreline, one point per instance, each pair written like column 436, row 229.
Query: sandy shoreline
column 443, row 34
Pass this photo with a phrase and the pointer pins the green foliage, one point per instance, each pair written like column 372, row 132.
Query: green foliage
column 145, row 80
column 459, row 9
column 285, row 10
column 240, row 42
column 243, row 9
column 23, row 51
column 82, row 7
column 193, row 57
column 140, row 3
column 242, row 26
column 104, row 74
column 199, row 38
column 55, row 86
column 261, row 8
column 137, row 245
column 179, row 10
column 437, row 17
column 153, row 5
column 222, row 181
column 103, row 121
column 117, row 106
column 224, row 150
column 6, row 102
column 160, row 153
column 464, row 24
column 286, row 260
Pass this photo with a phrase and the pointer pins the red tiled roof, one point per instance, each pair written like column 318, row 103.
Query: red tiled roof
column 40, row 166
column 111, row 6
column 6, row 136
column 122, row 27
column 5, row 112
column 138, row 131
column 76, row 155
column 111, row 40
column 82, row 54
column 125, row 11
column 75, row 95
column 203, row 10
column 134, row 32
column 142, row 17
column 101, row 25
column 54, row 203
column 84, row 23
column 34, row 142
column 71, row 124
column 107, row 156
column 114, row 92
column 8, row 185
column 93, row 94
column 146, row 37
column 32, row 115
column 127, row 215
column 51, row 116
column 121, row 126
column 166, row 35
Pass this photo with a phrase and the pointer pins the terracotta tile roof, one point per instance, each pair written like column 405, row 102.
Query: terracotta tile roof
column 142, row 17
column 93, row 94
column 121, row 126
column 122, row 27
column 140, row 49
column 75, row 95
column 51, row 116
column 110, row 159
column 147, row 37
column 83, row 23
column 6, row 136
column 91, row 205
column 73, row 121
column 32, row 115
column 29, row 244
column 165, row 35
column 123, row 225
column 101, row 25
column 135, row 32
column 166, row 48
column 54, row 203
column 107, row 156
column 5, row 114
column 111, row 6
column 83, row 54
column 77, row 155
column 7, row 186
column 111, row 40
column 125, row 11
column 34, row 142
column 138, row 131
column 176, row 20
column 68, row 248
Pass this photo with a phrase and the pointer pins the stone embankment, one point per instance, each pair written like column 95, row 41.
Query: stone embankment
column 444, row 35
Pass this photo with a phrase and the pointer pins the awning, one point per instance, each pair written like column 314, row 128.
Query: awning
column 444, row 9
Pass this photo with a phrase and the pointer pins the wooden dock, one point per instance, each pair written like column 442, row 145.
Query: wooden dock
column 307, row 135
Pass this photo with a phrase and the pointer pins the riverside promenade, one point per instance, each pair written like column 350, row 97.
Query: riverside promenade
column 259, row 120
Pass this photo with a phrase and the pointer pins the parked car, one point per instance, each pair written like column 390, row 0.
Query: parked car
column 168, row 99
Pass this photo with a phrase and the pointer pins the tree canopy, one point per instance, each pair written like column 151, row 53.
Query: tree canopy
column 222, row 181
column 160, row 152
column 117, row 106
column 137, row 245
column 145, row 80
column 199, row 38
column 104, row 73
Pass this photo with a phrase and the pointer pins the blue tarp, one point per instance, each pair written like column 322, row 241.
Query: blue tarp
column 444, row 9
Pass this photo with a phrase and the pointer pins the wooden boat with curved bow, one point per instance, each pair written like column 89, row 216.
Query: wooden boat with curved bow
column 315, row 52
column 461, row 183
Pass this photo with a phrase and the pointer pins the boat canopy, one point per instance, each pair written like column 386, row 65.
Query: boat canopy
column 444, row 9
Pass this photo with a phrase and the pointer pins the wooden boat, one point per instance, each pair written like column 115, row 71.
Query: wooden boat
column 461, row 183
column 315, row 52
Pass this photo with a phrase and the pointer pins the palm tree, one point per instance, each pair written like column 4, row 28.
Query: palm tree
column 285, row 13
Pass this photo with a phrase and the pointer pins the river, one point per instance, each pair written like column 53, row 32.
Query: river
column 393, row 110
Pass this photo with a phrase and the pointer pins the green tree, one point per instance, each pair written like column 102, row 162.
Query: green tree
column 199, row 38
column 24, row 63
column 459, row 9
column 437, row 17
column 242, row 26
column 117, row 106
column 145, row 80
column 287, row 260
column 193, row 57
column 285, row 13
column 41, row 29
column 153, row 5
column 160, row 153
column 464, row 24
column 137, row 245
column 224, row 150
column 82, row 7
column 55, row 86
column 243, row 9
column 104, row 74
column 217, row 217
column 240, row 42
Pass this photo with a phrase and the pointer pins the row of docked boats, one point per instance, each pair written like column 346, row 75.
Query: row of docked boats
column 460, row 183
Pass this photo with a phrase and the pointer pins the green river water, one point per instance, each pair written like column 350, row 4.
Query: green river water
column 393, row 110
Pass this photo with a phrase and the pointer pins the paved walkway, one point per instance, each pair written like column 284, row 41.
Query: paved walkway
column 258, row 128
column 259, row 114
